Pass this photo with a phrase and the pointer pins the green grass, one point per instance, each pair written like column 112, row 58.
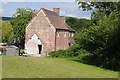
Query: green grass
column 0, row 68
column 32, row 67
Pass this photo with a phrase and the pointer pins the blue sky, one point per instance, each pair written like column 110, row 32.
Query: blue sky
column 66, row 8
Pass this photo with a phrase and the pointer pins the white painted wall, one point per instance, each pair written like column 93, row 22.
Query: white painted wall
column 31, row 47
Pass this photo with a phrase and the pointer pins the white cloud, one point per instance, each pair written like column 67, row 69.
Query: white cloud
column 69, row 9
column 86, row 17
column 37, row 0
column 71, row 15
column 4, row 2
column 68, row 13
column 1, row 11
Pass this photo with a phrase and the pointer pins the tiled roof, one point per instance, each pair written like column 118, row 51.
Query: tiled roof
column 56, row 20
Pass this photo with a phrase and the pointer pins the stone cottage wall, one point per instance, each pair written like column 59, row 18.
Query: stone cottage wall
column 62, row 38
column 41, row 26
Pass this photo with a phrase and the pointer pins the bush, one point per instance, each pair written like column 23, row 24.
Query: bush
column 70, row 52
column 83, row 55
column 102, row 41
column 59, row 53
column 74, row 52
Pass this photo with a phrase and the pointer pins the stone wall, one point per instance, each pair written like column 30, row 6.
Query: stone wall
column 41, row 26
column 62, row 37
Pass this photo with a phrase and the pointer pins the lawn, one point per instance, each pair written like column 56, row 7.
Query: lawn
column 0, row 67
column 35, row 67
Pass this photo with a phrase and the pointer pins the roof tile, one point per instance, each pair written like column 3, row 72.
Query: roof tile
column 56, row 20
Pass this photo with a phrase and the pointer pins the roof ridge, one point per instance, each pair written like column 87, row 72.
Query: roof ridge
column 54, row 19
column 48, row 10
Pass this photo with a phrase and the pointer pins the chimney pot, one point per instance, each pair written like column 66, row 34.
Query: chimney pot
column 34, row 14
column 57, row 10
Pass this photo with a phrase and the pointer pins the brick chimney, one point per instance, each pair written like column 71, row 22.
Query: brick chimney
column 34, row 14
column 57, row 10
column 63, row 18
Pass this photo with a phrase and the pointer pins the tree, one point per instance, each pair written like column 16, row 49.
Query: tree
column 99, row 8
column 102, row 41
column 77, row 25
column 21, row 19
column 1, row 31
column 7, row 32
column 105, row 7
column 96, row 16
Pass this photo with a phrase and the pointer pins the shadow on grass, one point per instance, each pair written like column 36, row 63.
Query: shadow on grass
column 98, row 62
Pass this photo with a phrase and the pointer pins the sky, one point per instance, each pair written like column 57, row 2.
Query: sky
column 70, row 8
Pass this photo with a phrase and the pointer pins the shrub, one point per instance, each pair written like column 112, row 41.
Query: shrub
column 74, row 52
column 83, row 54
column 59, row 53
column 102, row 41
column 70, row 52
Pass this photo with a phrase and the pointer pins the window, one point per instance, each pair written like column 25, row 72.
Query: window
column 58, row 35
column 65, row 35
column 72, row 34
column 69, row 34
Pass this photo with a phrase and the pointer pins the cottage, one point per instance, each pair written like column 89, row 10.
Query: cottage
column 47, row 32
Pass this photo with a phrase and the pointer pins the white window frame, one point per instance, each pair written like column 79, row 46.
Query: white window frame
column 64, row 34
column 69, row 34
column 72, row 34
column 58, row 35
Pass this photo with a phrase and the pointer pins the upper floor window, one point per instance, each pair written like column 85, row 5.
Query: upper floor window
column 72, row 35
column 69, row 34
column 65, row 35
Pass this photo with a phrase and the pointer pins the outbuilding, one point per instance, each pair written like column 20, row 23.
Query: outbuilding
column 12, row 51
